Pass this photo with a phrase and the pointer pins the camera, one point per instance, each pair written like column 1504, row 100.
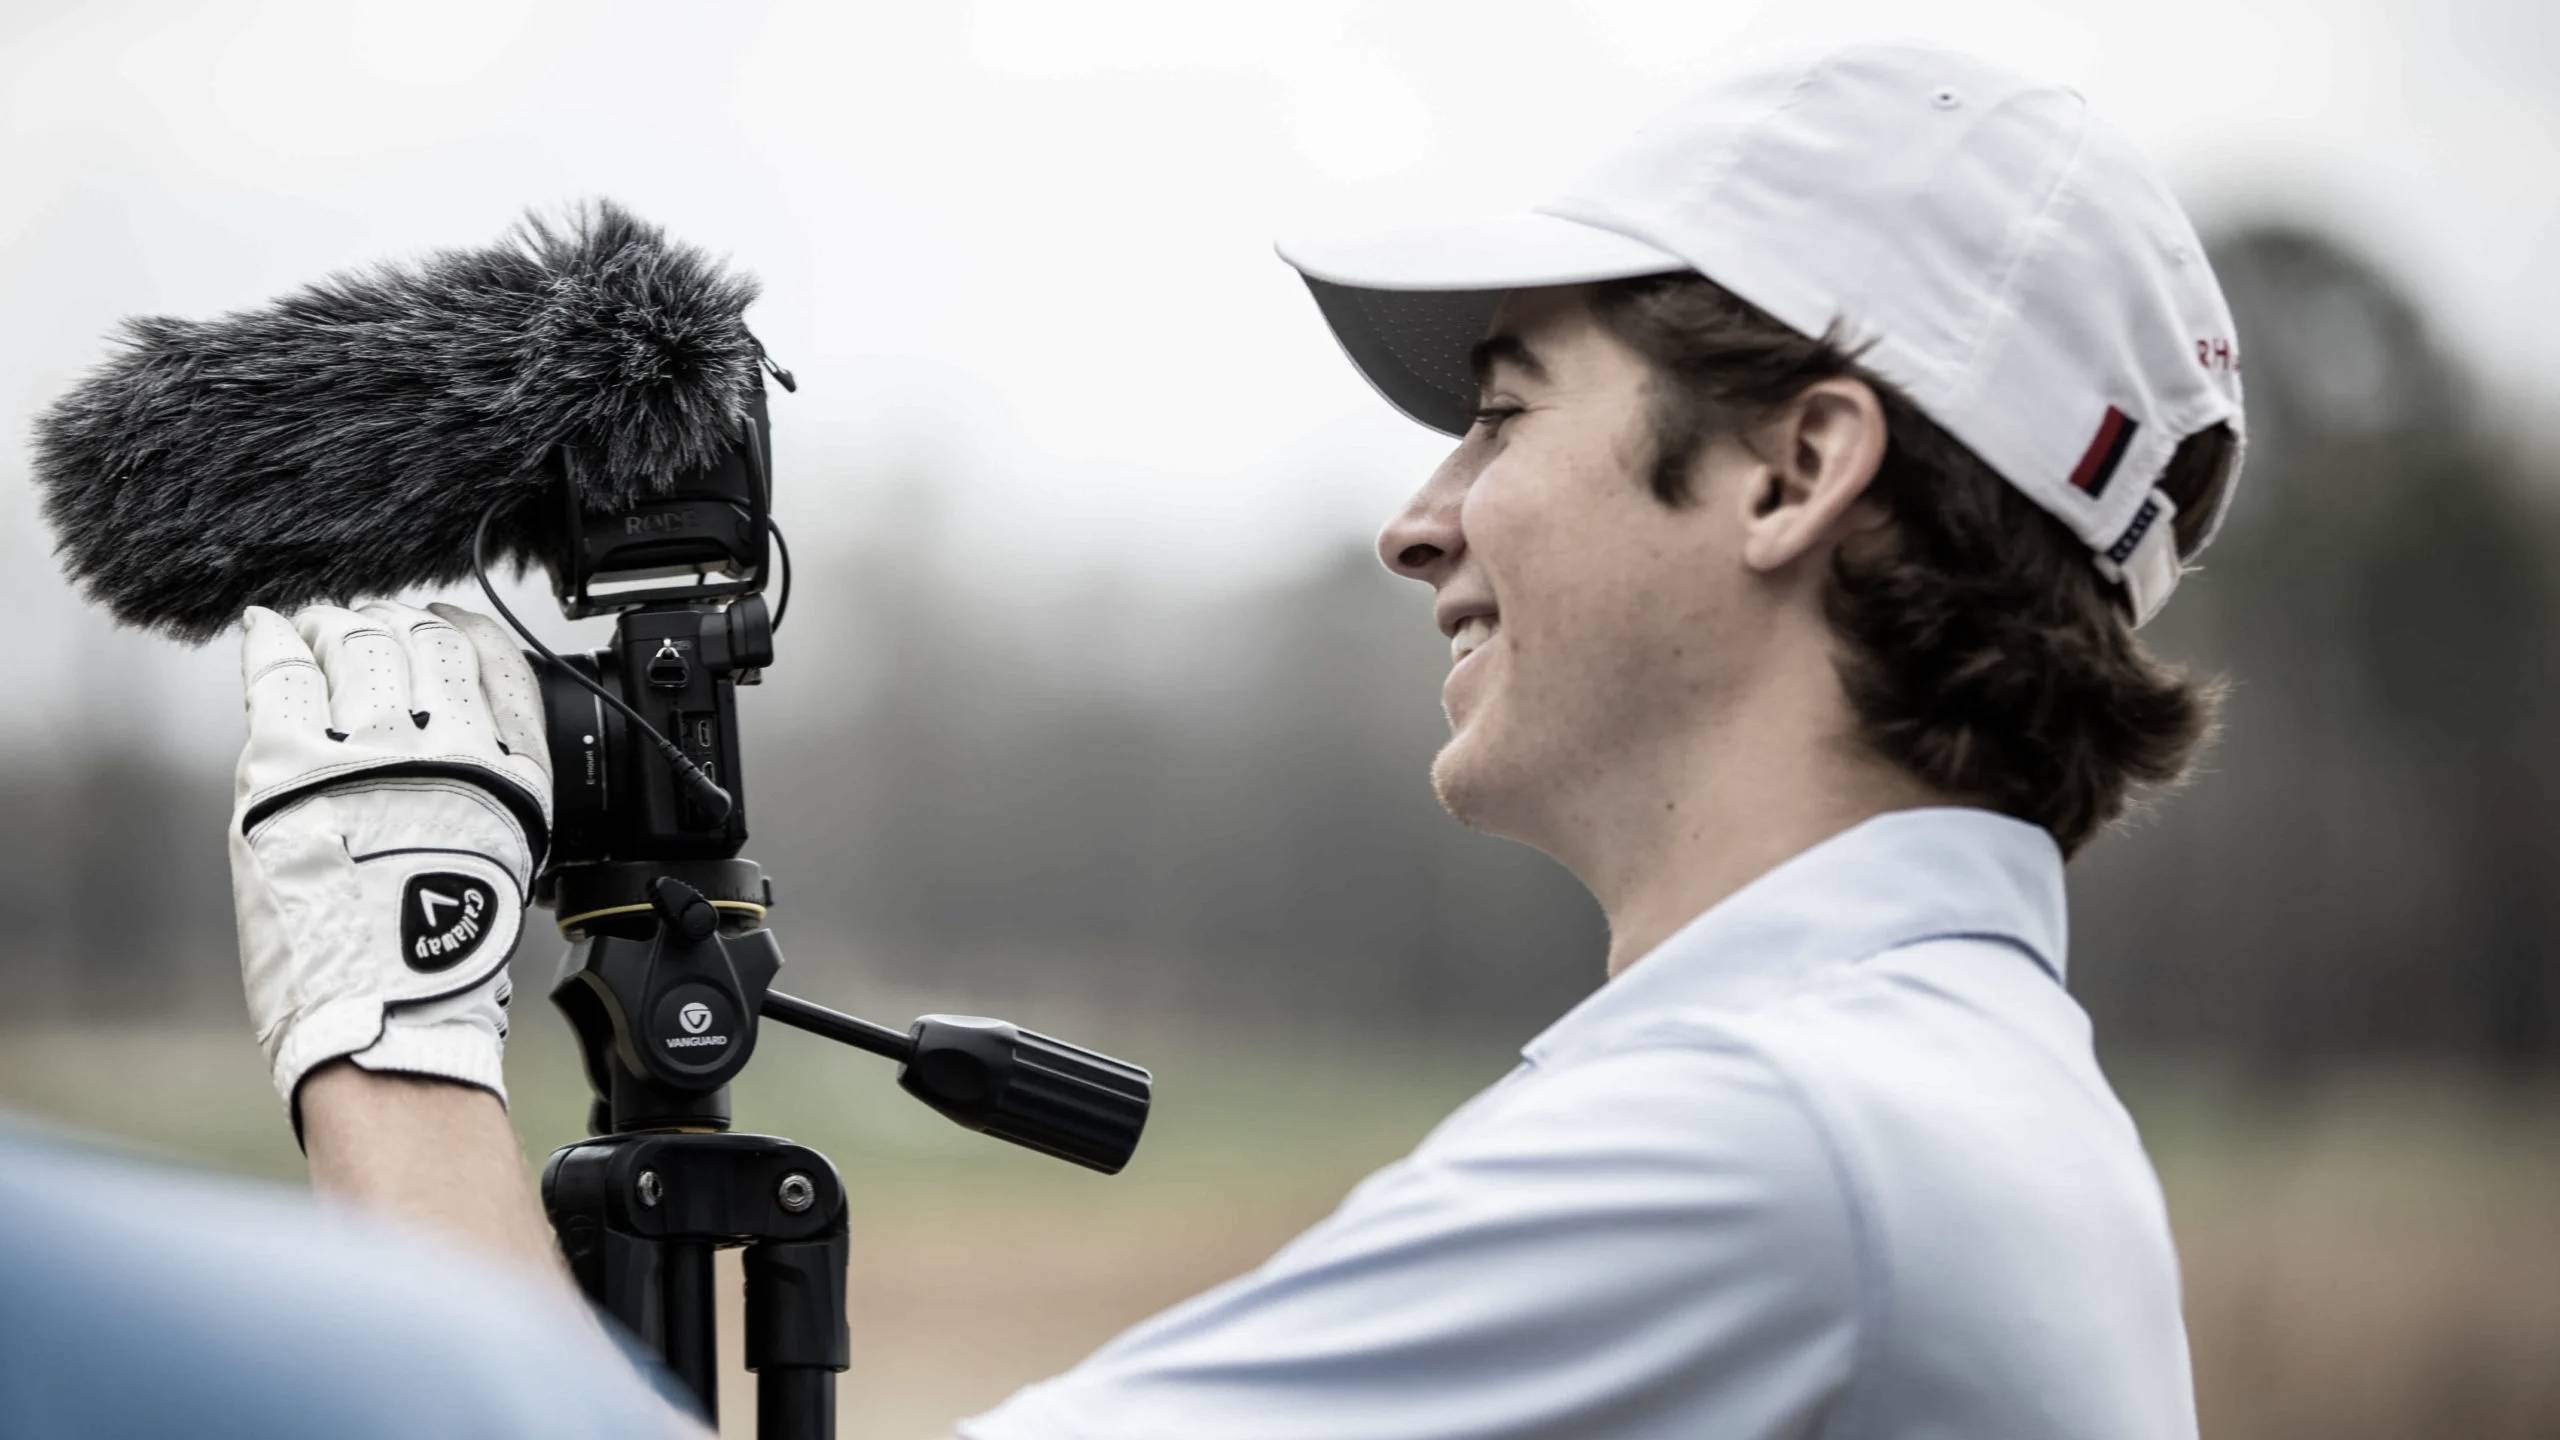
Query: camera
column 684, row 574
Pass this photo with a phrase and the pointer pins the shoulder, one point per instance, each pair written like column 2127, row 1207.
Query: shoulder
column 2005, row 1204
column 1956, row 1067
column 1702, row 1111
column 278, row 1315
column 1671, row 1164
column 1680, row 1157
column 1651, row 1241
column 1961, row 1051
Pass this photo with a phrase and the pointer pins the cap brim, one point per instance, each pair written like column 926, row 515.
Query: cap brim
column 1408, row 306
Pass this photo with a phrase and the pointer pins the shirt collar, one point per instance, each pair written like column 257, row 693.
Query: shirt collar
column 1901, row 877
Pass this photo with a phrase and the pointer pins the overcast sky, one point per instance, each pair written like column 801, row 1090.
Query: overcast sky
column 1023, row 247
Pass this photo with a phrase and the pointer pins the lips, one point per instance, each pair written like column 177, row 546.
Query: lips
column 1472, row 634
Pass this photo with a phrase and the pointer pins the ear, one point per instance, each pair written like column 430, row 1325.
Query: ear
column 1820, row 451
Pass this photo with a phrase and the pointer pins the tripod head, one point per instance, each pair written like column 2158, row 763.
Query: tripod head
column 668, row 988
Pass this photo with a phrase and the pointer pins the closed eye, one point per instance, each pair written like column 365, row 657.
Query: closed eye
column 1490, row 417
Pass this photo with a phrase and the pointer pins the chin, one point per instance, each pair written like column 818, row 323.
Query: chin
column 1473, row 782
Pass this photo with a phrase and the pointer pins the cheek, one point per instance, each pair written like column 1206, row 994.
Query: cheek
column 1558, row 543
column 1523, row 543
column 1615, row 624
column 1600, row 585
column 1526, row 513
column 1492, row 512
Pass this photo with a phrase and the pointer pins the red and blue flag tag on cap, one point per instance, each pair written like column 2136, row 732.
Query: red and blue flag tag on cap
column 2106, row 451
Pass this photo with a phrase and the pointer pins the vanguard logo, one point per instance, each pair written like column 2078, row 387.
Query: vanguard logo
column 695, row 1016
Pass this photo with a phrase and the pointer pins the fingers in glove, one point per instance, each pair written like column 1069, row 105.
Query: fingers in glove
column 506, row 678
column 367, row 669
column 444, row 678
column 280, row 679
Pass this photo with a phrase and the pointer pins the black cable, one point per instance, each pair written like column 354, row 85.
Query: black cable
column 764, row 501
column 686, row 770
column 784, row 602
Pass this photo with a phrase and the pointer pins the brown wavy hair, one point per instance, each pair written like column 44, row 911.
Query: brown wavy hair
column 1979, row 647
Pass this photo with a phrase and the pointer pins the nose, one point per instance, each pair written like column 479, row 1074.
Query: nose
column 1423, row 540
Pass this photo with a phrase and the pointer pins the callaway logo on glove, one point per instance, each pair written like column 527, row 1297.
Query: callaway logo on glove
column 392, row 803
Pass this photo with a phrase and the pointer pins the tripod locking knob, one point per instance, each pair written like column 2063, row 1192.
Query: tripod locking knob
column 683, row 909
column 1038, row 1092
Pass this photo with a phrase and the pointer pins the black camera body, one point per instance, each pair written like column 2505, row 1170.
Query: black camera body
column 683, row 573
column 614, row 797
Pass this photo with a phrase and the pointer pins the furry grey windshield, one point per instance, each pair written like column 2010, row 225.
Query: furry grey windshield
column 344, row 440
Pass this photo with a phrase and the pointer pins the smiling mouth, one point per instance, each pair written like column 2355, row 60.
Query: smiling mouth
column 1471, row 635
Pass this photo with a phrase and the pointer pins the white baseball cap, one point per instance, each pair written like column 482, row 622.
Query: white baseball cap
column 2012, row 263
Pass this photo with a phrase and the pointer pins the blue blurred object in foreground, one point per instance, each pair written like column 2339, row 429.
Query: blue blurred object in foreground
column 150, row 1301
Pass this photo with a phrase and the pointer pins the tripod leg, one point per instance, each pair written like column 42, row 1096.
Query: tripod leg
column 690, row 1323
column 797, row 1341
column 660, row 1290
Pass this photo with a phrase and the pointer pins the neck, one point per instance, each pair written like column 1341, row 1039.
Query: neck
column 1718, row 809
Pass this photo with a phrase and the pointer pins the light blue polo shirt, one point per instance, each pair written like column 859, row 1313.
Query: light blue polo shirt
column 1834, row 1160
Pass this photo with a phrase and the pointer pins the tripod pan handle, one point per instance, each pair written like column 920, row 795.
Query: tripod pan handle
column 1034, row 1090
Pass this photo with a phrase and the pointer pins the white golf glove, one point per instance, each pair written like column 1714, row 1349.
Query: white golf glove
column 392, row 803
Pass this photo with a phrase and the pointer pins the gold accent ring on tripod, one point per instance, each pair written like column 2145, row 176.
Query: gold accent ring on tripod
column 583, row 916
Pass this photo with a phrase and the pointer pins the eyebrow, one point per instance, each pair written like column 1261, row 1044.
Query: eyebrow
column 1503, row 347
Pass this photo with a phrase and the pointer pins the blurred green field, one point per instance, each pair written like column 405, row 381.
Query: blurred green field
column 2374, row 1256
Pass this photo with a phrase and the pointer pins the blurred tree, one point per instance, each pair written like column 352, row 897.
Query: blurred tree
column 2371, row 864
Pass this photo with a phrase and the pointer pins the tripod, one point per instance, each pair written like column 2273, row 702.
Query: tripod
column 669, row 972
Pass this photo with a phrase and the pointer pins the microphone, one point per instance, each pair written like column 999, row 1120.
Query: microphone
column 346, row 440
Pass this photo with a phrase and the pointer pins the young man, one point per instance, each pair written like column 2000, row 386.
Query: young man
column 1816, row 460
